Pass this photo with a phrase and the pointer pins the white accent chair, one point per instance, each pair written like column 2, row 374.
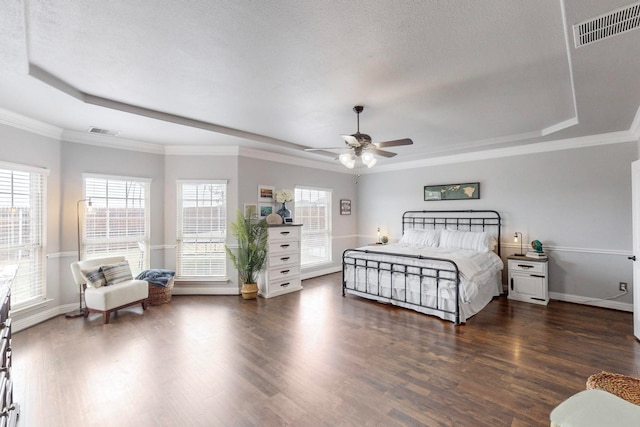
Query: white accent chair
column 107, row 299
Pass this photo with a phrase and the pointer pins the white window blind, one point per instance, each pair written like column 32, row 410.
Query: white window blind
column 22, row 201
column 116, row 219
column 202, row 229
column 313, row 210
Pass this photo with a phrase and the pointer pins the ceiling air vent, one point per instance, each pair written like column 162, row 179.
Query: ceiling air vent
column 611, row 24
column 103, row 131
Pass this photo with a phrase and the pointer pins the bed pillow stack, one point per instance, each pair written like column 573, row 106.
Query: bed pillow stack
column 478, row 241
column 419, row 237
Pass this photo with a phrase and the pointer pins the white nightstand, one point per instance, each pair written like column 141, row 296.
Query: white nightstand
column 528, row 279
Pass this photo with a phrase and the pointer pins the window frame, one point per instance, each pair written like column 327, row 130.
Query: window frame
column 180, row 236
column 144, row 261
column 305, row 232
column 37, row 280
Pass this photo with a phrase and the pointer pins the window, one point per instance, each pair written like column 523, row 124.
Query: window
column 116, row 219
column 313, row 210
column 22, row 220
column 202, row 229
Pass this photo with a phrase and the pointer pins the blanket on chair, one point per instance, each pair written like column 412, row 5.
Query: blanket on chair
column 157, row 276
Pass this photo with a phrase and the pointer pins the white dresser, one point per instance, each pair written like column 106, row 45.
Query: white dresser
column 281, row 274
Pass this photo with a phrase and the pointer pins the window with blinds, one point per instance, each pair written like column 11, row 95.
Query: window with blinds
column 202, row 229
column 115, row 215
column 313, row 210
column 22, row 221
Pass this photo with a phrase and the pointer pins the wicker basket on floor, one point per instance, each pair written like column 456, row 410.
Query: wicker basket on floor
column 160, row 294
column 628, row 388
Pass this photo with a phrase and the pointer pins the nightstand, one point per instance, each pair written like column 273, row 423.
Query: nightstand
column 528, row 279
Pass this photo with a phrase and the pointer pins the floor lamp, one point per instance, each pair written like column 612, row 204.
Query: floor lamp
column 81, row 309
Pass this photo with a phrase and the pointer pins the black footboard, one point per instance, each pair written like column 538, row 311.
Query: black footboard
column 400, row 271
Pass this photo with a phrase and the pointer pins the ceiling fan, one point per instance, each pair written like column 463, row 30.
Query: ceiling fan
column 360, row 145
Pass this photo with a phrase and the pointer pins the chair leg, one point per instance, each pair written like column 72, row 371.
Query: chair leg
column 145, row 303
column 105, row 317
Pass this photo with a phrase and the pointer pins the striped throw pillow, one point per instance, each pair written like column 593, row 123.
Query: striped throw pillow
column 117, row 273
column 94, row 277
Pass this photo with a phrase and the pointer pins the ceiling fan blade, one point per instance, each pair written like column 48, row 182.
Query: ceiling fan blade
column 327, row 148
column 394, row 143
column 382, row 152
column 351, row 140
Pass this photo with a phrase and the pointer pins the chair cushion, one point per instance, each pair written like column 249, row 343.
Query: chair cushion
column 117, row 273
column 110, row 297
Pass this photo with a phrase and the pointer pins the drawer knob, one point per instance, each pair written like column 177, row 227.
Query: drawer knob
column 285, row 258
column 525, row 266
column 284, row 233
column 284, row 285
column 285, row 246
column 285, row 271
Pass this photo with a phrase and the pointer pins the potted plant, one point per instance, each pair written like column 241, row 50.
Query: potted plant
column 251, row 254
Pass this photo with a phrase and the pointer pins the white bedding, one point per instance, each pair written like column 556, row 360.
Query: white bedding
column 480, row 278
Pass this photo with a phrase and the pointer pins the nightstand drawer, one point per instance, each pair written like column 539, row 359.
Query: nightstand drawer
column 528, row 266
column 284, row 272
column 284, row 247
column 284, row 260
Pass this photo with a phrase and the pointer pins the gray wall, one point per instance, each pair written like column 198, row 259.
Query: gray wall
column 254, row 172
column 577, row 202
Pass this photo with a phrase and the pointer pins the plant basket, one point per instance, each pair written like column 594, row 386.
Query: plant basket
column 160, row 294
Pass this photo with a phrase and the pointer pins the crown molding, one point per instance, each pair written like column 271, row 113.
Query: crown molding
column 28, row 124
column 201, row 150
column 541, row 147
column 297, row 161
column 107, row 141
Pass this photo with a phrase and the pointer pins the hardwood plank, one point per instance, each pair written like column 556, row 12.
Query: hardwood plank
column 314, row 358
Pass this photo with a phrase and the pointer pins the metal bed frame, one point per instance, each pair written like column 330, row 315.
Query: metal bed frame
column 464, row 220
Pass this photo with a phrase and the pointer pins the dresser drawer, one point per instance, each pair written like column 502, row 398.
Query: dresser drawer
column 284, row 260
column 283, row 285
column 284, row 272
column 528, row 266
column 283, row 247
column 284, row 233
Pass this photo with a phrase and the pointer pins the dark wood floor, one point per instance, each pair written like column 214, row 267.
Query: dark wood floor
column 314, row 358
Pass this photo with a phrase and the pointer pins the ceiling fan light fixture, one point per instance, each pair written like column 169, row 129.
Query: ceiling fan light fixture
column 368, row 159
column 347, row 159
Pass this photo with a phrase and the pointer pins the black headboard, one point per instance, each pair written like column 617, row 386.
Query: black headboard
column 464, row 220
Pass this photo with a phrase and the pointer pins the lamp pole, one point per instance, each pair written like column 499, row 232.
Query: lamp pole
column 80, row 311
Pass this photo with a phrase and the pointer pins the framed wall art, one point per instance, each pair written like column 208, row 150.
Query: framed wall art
column 265, row 209
column 250, row 209
column 265, row 193
column 345, row 207
column 452, row 191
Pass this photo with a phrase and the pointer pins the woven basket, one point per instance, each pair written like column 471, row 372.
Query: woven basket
column 160, row 294
column 628, row 388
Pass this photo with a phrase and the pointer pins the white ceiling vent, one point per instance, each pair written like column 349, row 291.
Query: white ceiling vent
column 611, row 24
column 103, row 131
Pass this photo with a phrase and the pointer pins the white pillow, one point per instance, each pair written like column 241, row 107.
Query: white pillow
column 420, row 237
column 478, row 241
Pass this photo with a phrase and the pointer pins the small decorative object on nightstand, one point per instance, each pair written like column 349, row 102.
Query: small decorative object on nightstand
column 528, row 279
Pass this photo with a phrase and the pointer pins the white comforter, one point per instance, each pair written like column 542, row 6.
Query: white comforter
column 476, row 269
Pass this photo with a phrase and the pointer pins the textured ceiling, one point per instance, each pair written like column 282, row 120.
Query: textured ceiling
column 455, row 76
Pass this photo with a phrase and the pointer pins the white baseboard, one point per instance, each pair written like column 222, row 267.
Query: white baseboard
column 41, row 316
column 315, row 273
column 205, row 290
column 614, row 305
